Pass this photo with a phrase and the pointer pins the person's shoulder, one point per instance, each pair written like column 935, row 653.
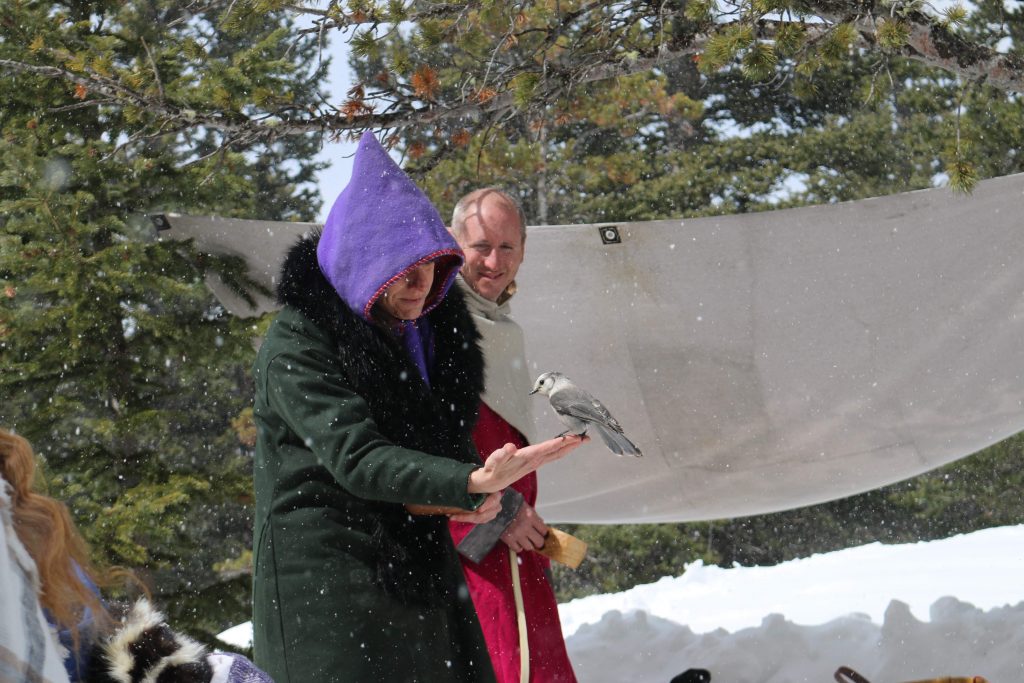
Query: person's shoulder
column 291, row 330
column 508, row 320
column 291, row 321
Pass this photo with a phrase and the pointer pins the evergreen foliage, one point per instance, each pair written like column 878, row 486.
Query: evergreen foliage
column 696, row 136
column 115, row 360
column 726, row 147
column 507, row 60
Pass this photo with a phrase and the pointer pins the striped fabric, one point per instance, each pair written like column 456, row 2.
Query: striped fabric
column 28, row 649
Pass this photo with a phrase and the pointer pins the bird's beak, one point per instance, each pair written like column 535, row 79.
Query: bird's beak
column 534, row 392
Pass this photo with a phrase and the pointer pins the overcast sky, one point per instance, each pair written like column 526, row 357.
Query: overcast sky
column 338, row 154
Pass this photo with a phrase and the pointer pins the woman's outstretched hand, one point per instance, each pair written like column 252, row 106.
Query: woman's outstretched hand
column 507, row 465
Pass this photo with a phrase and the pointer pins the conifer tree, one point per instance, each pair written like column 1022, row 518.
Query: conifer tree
column 533, row 59
column 115, row 361
column 703, row 133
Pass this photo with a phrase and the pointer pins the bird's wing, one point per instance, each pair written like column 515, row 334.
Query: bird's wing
column 583, row 406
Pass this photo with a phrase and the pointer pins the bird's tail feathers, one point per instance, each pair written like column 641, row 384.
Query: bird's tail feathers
column 617, row 442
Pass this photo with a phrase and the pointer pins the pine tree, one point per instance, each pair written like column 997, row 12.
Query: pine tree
column 530, row 60
column 115, row 361
column 701, row 134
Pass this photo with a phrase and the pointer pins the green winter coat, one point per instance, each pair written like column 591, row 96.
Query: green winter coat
column 347, row 585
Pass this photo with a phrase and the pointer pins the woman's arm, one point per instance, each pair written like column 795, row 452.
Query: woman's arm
column 304, row 387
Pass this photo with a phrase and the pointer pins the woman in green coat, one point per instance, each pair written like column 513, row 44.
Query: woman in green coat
column 367, row 387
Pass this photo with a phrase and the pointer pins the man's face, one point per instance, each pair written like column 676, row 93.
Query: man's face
column 493, row 242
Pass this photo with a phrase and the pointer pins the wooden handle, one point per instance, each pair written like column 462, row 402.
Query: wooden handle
column 845, row 673
column 433, row 509
column 564, row 548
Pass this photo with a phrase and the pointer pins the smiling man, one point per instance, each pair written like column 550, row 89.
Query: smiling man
column 510, row 582
column 491, row 229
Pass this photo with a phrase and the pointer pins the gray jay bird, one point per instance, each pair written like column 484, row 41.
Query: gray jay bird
column 579, row 411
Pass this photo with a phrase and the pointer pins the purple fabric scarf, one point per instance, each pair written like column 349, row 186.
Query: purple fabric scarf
column 418, row 340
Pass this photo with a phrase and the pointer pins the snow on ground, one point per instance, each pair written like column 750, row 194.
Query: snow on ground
column 894, row 613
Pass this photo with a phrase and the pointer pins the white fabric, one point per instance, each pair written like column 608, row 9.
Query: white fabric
column 261, row 243
column 507, row 379
column 775, row 360
column 28, row 648
column 221, row 665
column 771, row 360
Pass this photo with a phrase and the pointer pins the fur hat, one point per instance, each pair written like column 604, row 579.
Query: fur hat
column 145, row 649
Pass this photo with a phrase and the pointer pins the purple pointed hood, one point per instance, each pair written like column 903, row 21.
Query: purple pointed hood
column 380, row 227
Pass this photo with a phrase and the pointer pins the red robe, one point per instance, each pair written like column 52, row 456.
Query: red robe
column 490, row 584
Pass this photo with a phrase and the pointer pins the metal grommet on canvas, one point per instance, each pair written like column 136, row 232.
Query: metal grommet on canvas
column 609, row 234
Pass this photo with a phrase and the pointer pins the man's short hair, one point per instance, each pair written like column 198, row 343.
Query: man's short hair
column 462, row 207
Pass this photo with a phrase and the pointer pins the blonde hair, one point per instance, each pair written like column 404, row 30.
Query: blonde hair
column 478, row 196
column 44, row 527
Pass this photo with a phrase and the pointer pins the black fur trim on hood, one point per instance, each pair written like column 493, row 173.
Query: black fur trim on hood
column 372, row 356
column 437, row 418
column 301, row 278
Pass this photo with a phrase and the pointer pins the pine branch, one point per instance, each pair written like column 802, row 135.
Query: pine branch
column 602, row 43
column 934, row 45
column 332, row 21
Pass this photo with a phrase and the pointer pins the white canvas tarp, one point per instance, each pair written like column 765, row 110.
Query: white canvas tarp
column 763, row 361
